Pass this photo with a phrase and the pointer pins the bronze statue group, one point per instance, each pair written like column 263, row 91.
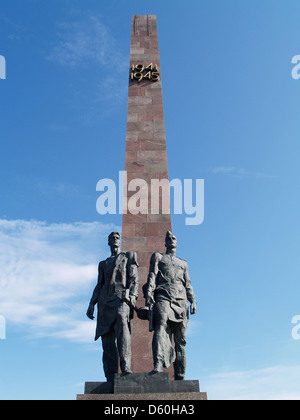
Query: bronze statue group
column 169, row 298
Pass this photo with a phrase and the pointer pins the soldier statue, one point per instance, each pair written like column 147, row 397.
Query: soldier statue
column 168, row 292
column 115, row 295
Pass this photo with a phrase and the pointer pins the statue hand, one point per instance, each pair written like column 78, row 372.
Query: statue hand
column 193, row 308
column 90, row 312
column 132, row 300
column 150, row 300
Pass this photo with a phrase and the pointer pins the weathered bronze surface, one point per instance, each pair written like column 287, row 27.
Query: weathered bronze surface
column 168, row 293
column 115, row 295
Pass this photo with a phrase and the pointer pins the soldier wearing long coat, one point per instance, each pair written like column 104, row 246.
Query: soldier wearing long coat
column 117, row 277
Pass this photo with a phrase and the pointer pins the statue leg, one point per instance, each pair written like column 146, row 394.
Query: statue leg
column 163, row 351
column 180, row 343
column 123, row 338
column 110, row 355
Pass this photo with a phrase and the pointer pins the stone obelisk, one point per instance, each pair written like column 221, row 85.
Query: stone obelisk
column 144, row 231
column 145, row 159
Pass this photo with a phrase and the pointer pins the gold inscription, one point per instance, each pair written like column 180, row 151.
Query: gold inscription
column 139, row 72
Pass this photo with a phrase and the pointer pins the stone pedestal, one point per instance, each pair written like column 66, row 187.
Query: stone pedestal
column 143, row 386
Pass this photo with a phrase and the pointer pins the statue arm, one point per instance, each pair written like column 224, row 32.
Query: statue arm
column 190, row 291
column 95, row 296
column 151, row 281
column 132, row 276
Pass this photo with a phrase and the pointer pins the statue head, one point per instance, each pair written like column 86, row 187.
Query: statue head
column 171, row 240
column 114, row 239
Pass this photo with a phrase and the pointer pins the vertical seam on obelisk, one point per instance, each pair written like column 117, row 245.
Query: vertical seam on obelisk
column 144, row 233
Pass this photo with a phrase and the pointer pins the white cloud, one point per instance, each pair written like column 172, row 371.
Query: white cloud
column 48, row 272
column 271, row 383
column 85, row 42
column 239, row 172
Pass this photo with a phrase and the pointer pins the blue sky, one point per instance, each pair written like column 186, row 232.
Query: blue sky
column 232, row 118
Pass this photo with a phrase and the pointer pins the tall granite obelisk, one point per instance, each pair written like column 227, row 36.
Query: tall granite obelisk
column 144, row 231
column 145, row 159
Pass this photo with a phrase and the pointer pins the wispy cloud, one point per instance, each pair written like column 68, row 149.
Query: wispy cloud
column 271, row 383
column 59, row 189
column 15, row 26
column 47, row 274
column 85, row 41
column 58, row 127
column 239, row 172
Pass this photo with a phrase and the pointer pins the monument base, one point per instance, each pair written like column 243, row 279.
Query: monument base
column 143, row 386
